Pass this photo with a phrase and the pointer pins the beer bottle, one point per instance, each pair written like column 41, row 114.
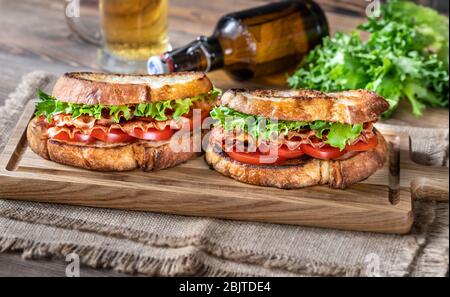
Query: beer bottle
column 251, row 43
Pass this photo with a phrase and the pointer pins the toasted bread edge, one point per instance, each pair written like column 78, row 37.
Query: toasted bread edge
column 74, row 87
column 350, row 107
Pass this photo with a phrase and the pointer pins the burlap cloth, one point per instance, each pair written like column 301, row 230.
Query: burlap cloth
column 156, row 244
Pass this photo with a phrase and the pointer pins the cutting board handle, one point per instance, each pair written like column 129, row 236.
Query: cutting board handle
column 428, row 189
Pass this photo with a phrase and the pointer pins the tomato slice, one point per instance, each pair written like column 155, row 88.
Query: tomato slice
column 113, row 136
column 255, row 158
column 152, row 134
column 78, row 137
column 286, row 153
column 325, row 153
column 361, row 146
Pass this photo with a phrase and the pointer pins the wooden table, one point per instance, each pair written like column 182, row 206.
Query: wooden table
column 34, row 36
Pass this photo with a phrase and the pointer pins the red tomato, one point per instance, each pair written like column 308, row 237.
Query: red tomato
column 255, row 158
column 326, row 152
column 361, row 146
column 78, row 137
column 152, row 134
column 114, row 136
column 286, row 153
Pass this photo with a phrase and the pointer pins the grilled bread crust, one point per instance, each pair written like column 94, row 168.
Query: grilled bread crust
column 303, row 172
column 121, row 157
column 117, row 89
column 348, row 107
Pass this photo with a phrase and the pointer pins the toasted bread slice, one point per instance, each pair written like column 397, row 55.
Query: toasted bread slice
column 103, row 157
column 117, row 89
column 302, row 173
column 349, row 107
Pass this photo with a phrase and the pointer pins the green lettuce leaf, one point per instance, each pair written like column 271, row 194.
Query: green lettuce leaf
column 404, row 57
column 339, row 135
column 49, row 106
column 118, row 111
column 431, row 26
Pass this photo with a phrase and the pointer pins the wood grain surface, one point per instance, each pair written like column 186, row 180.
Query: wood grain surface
column 34, row 36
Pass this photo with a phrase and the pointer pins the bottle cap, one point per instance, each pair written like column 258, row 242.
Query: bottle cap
column 156, row 65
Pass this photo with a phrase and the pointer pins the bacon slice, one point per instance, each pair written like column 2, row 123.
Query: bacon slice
column 129, row 126
column 292, row 140
column 85, row 125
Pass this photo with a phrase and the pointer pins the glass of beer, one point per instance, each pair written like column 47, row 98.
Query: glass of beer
column 130, row 32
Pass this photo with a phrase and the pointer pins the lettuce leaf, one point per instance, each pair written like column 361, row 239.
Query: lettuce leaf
column 118, row 111
column 49, row 106
column 432, row 26
column 404, row 57
column 339, row 135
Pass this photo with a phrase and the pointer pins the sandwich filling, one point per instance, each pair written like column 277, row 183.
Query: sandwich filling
column 155, row 121
column 247, row 138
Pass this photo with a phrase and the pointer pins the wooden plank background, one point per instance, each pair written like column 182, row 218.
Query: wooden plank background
column 34, row 35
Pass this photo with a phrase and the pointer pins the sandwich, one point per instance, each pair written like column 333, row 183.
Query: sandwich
column 111, row 122
column 296, row 139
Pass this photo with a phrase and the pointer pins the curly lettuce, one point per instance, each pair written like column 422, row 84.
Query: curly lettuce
column 404, row 57
column 49, row 106
column 337, row 135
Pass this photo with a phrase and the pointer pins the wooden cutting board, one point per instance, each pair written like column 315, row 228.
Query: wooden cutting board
column 382, row 203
